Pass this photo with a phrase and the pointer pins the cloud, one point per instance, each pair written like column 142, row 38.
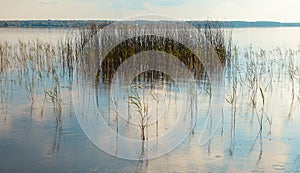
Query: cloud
column 49, row 2
column 287, row 10
column 141, row 4
column 169, row 3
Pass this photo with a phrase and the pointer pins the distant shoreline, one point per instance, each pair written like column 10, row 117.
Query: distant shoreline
column 103, row 23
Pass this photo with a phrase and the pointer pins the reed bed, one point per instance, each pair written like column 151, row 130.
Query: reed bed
column 252, row 75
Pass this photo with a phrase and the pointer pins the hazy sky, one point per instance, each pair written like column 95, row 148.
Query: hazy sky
column 252, row 10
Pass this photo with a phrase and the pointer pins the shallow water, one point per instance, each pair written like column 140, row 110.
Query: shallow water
column 31, row 140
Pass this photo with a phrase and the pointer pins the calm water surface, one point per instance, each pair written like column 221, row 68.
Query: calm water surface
column 31, row 141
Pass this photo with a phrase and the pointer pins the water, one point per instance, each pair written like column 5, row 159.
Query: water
column 32, row 141
column 268, row 37
column 13, row 35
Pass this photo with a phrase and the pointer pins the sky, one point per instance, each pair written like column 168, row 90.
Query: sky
column 248, row 10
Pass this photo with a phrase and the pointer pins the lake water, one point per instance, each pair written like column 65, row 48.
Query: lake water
column 31, row 140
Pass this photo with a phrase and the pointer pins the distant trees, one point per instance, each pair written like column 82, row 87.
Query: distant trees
column 101, row 23
column 53, row 23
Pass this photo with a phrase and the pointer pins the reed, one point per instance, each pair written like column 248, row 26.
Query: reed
column 155, row 97
column 55, row 95
column 115, row 109
column 44, row 68
column 141, row 108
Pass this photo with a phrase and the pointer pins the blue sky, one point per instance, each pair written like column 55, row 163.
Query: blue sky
column 250, row 10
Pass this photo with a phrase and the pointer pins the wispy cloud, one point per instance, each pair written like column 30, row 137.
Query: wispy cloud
column 141, row 4
column 49, row 2
column 169, row 3
column 277, row 10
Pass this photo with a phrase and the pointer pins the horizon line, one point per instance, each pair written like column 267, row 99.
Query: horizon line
column 187, row 20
